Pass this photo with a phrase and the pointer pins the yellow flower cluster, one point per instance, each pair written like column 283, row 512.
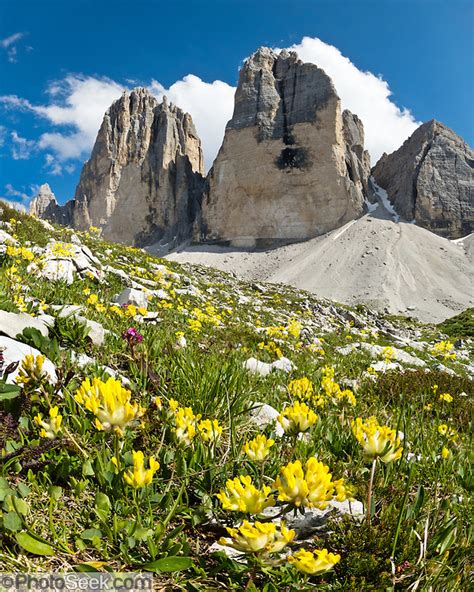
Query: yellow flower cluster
column 271, row 347
column 51, row 428
column 387, row 354
column 293, row 329
column 332, row 388
column 301, row 388
column 378, row 441
column 31, row 370
column 62, row 249
column 19, row 253
column 110, row 402
column 210, row 431
column 259, row 447
column 309, row 486
column 259, row 537
column 446, row 398
column 139, row 476
column 297, row 418
column 314, row 562
column 444, row 349
column 241, row 495
column 448, row 432
column 187, row 425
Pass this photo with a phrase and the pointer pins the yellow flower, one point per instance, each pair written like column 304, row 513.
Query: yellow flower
column 185, row 421
column 444, row 349
column 259, row 537
column 20, row 253
column 130, row 310
column 297, row 418
column 302, row 388
column 241, row 495
column 377, row 441
column 443, row 429
column 142, row 311
column 210, row 430
column 445, row 452
column 195, row 325
column 311, row 487
column 50, row 429
column 294, row 328
column 446, row 397
column 259, row 447
column 31, row 370
column 93, row 299
column 450, row 433
column 110, row 403
column 313, row 562
column 140, row 476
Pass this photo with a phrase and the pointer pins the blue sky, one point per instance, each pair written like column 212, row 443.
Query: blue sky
column 63, row 62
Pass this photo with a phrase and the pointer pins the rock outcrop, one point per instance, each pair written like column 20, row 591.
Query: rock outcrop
column 45, row 206
column 143, row 182
column 430, row 179
column 291, row 166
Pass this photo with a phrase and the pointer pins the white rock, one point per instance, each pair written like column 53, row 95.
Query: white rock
column 11, row 324
column 15, row 351
column 262, row 415
column 56, row 270
column 132, row 296
column 118, row 272
column 257, row 367
column 283, row 364
column 7, row 238
column 384, row 366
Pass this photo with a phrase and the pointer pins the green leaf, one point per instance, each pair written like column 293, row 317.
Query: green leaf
column 23, row 489
column 90, row 533
column 5, row 489
column 169, row 564
column 32, row 545
column 11, row 521
column 103, row 505
column 55, row 492
column 8, row 391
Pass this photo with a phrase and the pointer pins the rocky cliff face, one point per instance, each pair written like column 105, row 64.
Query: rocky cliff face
column 291, row 166
column 142, row 184
column 430, row 179
column 45, row 205
column 143, row 181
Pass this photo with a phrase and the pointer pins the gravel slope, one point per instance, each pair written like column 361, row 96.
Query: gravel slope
column 373, row 260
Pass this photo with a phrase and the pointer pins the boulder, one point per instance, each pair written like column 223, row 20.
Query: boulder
column 16, row 351
column 12, row 324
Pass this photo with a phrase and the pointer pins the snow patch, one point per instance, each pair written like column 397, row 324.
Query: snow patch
column 382, row 195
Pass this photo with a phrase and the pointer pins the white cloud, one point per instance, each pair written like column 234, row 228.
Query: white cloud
column 3, row 135
column 210, row 105
column 10, row 46
column 52, row 165
column 368, row 96
column 79, row 103
column 21, row 147
column 18, row 199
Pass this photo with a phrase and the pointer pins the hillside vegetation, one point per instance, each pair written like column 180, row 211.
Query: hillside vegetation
column 146, row 447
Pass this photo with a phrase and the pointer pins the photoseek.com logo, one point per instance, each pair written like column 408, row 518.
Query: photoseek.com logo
column 85, row 582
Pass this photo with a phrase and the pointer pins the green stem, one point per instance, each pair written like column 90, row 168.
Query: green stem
column 369, row 493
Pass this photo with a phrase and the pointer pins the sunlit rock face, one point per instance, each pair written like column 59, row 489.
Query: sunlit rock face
column 292, row 165
column 430, row 179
